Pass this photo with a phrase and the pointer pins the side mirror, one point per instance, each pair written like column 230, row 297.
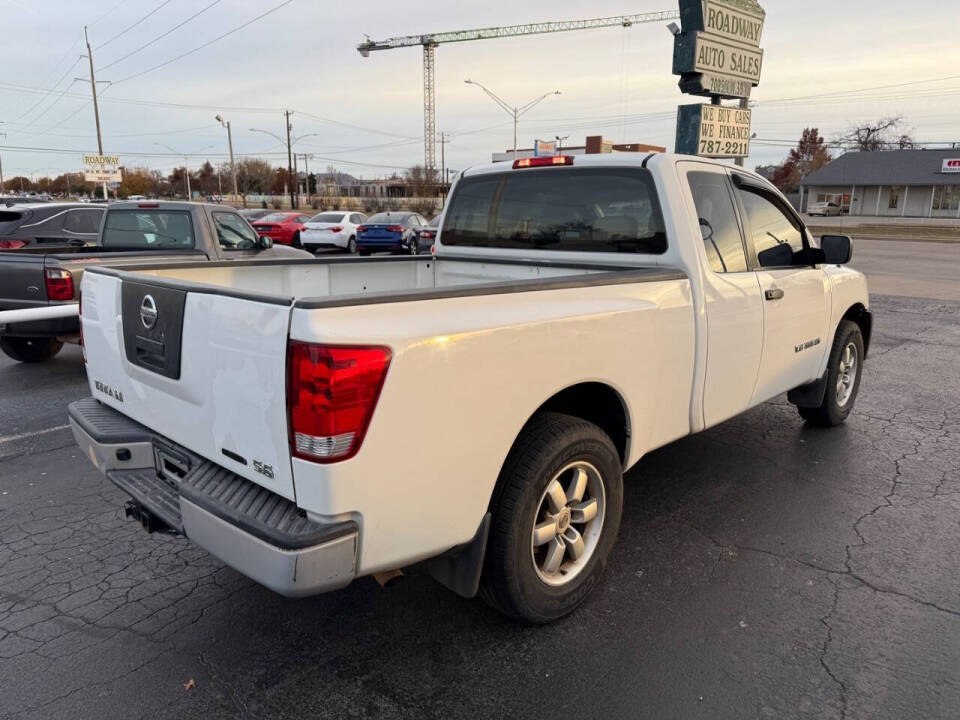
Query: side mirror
column 264, row 242
column 837, row 249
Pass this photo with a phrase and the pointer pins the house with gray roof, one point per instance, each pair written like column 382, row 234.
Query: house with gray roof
column 889, row 183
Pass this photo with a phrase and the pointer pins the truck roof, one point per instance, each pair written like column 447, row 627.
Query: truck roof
column 620, row 159
column 164, row 205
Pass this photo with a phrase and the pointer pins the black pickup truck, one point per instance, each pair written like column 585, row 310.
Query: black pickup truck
column 33, row 277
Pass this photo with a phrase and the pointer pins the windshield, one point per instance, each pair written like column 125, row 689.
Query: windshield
column 388, row 217
column 148, row 228
column 327, row 218
column 573, row 210
column 274, row 218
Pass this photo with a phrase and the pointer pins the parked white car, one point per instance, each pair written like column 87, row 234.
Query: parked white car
column 578, row 313
column 335, row 228
column 824, row 209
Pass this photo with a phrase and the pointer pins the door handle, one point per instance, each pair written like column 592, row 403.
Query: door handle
column 774, row 294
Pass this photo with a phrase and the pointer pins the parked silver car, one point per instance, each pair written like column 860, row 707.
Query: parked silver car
column 824, row 209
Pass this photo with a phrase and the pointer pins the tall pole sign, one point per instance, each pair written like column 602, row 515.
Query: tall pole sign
column 717, row 55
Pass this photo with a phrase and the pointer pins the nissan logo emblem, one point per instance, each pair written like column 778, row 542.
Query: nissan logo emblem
column 148, row 312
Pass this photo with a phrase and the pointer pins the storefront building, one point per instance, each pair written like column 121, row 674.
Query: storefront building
column 891, row 183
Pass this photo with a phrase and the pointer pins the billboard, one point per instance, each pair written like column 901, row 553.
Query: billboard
column 544, row 148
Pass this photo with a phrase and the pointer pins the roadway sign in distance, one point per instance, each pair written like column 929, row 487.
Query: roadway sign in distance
column 718, row 53
column 93, row 160
column 713, row 131
column 699, row 52
column 737, row 20
column 103, row 176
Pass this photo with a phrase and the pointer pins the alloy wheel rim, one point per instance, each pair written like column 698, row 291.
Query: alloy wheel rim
column 847, row 374
column 568, row 523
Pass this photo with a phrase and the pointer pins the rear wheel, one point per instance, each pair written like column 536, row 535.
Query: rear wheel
column 30, row 349
column 296, row 240
column 352, row 245
column 414, row 246
column 556, row 513
column 844, row 369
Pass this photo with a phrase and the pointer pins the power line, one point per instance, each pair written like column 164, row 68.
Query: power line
column 851, row 92
column 131, row 27
column 48, row 94
column 206, row 44
column 160, row 37
column 97, row 21
column 351, row 125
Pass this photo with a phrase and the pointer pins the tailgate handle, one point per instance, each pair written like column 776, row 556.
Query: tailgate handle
column 149, row 351
column 774, row 294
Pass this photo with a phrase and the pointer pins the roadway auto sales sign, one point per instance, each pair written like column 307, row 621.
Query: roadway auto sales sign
column 718, row 53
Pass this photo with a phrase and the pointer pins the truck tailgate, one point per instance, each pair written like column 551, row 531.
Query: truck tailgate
column 204, row 370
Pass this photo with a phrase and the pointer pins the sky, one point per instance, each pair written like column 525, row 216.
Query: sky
column 365, row 115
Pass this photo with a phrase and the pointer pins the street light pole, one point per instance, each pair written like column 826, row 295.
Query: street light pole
column 512, row 110
column 293, row 203
column 1, row 164
column 186, row 167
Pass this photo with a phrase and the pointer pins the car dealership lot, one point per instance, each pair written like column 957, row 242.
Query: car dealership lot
column 763, row 569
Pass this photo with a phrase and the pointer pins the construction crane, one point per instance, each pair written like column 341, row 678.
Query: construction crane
column 430, row 41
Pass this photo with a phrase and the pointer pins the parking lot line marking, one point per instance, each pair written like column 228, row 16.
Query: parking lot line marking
column 11, row 438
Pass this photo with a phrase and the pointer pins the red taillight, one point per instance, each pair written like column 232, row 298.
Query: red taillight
column 427, row 234
column 148, row 205
column 59, row 284
column 12, row 244
column 331, row 394
column 395, row 228
column 361, row 228
column 336, row 229
column 543, row 161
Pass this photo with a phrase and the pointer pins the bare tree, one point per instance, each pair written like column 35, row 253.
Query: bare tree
column 882, row 134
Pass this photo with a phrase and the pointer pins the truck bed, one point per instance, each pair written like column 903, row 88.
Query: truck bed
column 338, row 282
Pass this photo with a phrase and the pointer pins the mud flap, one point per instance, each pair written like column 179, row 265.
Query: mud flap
column 459, row 569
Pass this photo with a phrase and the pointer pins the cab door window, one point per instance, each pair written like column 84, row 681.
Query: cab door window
column 773, row 236
column 233, row 232
column 718, row 222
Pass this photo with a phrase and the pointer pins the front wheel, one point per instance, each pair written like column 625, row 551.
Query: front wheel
column 555, row 517
column 844, row 370
column 30, row 349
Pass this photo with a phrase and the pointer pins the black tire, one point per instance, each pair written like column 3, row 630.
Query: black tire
column 831, row 412
column 510, row 582
column 30, row 349
column 296, row 241
column 352, row 245
column 414, row 246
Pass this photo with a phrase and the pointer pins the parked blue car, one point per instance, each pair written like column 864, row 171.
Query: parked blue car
column 391, row 232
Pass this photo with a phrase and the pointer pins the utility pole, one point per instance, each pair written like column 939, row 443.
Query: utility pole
column 1, row 167
column 306, row 172
column 233, row 166
column 96, row 108
column 293, row 203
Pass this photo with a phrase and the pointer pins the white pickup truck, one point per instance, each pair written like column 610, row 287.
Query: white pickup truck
column 313, row 421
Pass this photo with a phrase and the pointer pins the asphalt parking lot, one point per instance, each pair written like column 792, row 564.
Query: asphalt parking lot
column 763, row 569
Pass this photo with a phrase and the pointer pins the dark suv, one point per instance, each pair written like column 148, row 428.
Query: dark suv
column 49, row 224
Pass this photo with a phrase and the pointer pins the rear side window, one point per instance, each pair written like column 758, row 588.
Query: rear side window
column 83, row 222
column 718, row 222
column 148, row 228
column 612, row 210
column 9, row 220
